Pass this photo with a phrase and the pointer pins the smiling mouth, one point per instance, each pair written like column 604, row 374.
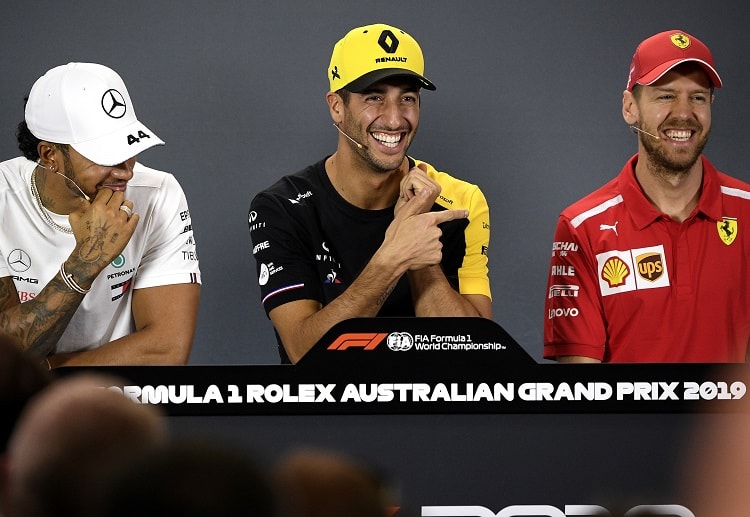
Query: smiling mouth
column 679, row 135
column 388, row 140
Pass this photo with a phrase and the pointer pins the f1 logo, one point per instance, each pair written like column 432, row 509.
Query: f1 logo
column 364, row 340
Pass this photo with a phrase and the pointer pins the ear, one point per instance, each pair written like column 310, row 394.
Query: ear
column 47, row 154
column 629, row 108
column 335, row 107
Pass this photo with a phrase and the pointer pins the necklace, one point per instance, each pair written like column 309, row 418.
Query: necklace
column 42, row 210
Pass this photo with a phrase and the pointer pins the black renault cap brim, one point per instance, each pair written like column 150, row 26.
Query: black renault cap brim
column 370, row 78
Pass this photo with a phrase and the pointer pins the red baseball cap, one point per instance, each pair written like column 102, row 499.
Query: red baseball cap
column 657, row 55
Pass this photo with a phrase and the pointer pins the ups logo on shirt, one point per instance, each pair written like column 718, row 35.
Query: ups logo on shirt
column 650, row 266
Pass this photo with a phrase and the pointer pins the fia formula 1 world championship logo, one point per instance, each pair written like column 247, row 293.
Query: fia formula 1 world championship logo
column 396, row 341
column 400, row 341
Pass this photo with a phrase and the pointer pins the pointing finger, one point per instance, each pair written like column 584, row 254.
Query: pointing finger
column 450, row 215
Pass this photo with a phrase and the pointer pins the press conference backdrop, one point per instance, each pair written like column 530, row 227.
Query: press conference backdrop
column 527, row 107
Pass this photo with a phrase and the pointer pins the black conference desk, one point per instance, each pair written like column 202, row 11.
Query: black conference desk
column 459, row 417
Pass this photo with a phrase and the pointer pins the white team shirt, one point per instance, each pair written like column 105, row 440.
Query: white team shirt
column 162, row 251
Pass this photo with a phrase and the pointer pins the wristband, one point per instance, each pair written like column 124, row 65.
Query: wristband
column 70, row 282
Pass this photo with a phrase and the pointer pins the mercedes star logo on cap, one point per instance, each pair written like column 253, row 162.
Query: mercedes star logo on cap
column 114, row 103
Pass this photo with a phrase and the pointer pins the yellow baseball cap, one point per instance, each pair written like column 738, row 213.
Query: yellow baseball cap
column 371, row 53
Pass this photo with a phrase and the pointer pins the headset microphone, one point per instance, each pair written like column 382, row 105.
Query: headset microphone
column 361, row 146
column 69, row 179
column 636, row 128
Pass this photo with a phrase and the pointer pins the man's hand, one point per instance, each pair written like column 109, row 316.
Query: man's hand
column 412, row 241
column 102, row 230
column 414, row 182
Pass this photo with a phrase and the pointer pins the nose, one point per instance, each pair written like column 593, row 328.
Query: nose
column 683, row 108
column 123, row 171
column 391, row 114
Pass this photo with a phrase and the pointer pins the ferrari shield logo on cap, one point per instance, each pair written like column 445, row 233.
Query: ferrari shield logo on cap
column 727, row 229
column 680, row 40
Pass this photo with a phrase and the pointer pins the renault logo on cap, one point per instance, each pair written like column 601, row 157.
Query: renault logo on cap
column 388, row 41
column 113, row 103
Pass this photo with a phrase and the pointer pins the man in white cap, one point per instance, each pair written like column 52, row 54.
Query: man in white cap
column 653, row 266
column 356, row 234
column 98, row 264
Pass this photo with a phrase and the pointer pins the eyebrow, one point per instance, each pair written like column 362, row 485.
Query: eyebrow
column 672, row 90
column 405, row 88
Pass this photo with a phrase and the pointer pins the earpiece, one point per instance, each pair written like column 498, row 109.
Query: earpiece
column 54, row 170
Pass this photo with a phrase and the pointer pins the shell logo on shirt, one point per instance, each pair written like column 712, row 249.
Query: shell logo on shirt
column 622, row 271
column 615, row 271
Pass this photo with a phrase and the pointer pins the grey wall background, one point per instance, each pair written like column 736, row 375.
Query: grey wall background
column 527, row 106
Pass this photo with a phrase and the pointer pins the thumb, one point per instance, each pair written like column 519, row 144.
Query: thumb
column 420, row 203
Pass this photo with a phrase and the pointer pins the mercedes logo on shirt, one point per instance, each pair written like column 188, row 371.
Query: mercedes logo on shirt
column 19, row 261
column 113, row 103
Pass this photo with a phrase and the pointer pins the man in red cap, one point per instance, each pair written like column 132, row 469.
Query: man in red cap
column 652, row 267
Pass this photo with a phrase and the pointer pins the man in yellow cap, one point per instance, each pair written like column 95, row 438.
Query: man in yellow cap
column 369, row 231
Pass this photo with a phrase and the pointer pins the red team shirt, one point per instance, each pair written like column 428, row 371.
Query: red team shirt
column 629, row 284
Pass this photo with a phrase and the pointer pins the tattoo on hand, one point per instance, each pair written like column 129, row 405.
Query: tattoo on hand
column 92, row 248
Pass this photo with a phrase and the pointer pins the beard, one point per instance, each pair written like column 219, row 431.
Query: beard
column 72, row 184
column 671, row 164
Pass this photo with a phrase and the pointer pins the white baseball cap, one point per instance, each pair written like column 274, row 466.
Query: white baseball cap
column 87, row 106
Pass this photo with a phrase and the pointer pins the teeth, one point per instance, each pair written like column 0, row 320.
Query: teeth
column 386, row 139
column 680, row 135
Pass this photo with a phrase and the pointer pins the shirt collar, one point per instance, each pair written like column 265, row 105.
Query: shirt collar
column 644, row 213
